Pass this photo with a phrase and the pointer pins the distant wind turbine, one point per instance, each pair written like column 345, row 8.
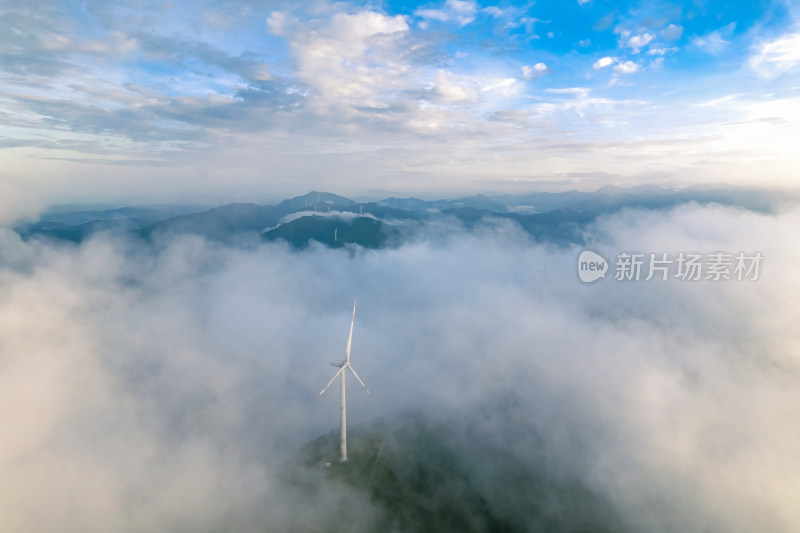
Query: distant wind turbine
column 543, row 281
column 344, row 365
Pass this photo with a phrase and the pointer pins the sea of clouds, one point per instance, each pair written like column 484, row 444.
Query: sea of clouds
column 161, row 386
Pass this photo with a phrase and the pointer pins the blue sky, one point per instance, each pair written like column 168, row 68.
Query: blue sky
column 219, row 101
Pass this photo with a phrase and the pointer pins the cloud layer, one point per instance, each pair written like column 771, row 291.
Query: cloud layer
column 163, row 387
column 213, row 100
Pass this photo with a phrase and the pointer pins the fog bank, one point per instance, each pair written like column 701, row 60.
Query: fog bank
column 163, row 387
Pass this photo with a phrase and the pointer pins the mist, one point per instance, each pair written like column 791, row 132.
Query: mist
column 166, row 386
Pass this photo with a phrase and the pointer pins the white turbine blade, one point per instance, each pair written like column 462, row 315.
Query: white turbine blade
column 358, row 378
column 331, row 381
column 350, row 338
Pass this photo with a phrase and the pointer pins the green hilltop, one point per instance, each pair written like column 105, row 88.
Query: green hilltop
column 421, row 476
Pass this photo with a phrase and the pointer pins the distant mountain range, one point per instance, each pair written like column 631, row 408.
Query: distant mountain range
column 337, row 221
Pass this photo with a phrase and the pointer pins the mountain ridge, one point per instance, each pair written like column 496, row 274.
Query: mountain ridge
column 556, row 217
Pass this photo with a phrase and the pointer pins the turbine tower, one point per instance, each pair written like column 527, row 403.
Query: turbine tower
column 344, row 365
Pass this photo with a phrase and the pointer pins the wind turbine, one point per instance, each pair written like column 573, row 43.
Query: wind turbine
column 543, row 281
column 344, row 365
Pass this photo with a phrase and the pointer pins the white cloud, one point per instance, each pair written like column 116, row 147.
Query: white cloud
column 577, row 91
column 637, row 42
column 626, row 67
column 461, row 12
column 603, row 62
column 278, row 21
column 532, row 72
column 494, row 11
column 672, row 32
column 453, row 89
column 362, row 65
column 116, row 44
column 661, row 51
column 366, row 24
column 776, row 57
column 717, row 101
column 516, row 20
column 714, row 42
column 351, row 58
column 459, row 89
column 579, row 102
column 504, row 86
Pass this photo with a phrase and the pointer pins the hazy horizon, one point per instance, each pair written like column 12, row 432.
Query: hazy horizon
column 793, row 192
column 223, row 101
